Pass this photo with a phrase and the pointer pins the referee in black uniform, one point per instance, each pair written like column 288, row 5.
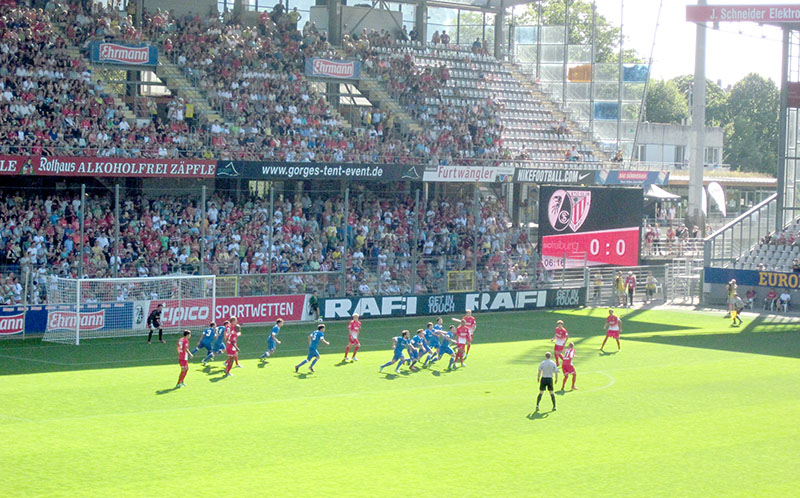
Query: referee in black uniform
column 548, row 373
column 154, row 322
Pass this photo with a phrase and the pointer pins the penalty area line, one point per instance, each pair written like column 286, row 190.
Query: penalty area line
column 15, row 419
column 36, row 360
column 317, row 397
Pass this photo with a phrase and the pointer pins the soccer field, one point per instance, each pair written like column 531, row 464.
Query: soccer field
column 690, row 407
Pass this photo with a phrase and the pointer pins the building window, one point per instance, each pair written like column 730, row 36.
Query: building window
column 680, row 155
column 711, row 156
column 641, row 152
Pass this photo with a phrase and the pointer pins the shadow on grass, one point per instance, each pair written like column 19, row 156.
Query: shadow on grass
column 538, row 415
column 34, row 356
column 167, row 391
column 756, row 337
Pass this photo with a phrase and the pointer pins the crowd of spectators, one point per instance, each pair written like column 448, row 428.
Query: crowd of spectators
column 161, row 235
column 462, row 132
column 252, row 75
column 50, row 105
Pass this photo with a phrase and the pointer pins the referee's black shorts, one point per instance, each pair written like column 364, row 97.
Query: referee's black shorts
column 546, row 383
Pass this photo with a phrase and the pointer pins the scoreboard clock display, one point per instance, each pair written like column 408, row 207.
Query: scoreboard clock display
column 599, row 225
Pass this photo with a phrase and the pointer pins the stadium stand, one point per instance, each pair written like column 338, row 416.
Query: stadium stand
column 467, row 108
column 470, row 106
column 468, row 101
column 161, row 235
column 778, row 251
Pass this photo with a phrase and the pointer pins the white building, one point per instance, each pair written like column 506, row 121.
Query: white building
column 671, row 144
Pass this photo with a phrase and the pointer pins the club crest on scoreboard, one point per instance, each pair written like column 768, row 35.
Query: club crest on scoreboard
column 568, row 208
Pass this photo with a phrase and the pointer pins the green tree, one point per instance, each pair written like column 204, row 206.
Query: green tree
column 751, row 136
column 580, row 28
column 716, row 99
column 665, row 103
column 471, row 27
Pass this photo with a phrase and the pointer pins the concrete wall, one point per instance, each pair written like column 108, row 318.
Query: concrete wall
column 390, row 20
column 182, row 7
column 660, row 140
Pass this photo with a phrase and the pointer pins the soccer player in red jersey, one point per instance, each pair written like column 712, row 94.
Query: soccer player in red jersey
column 462, row 336
column 354, row 328
column 469, row 320
column 232, row 349
column 613, row 328
column 566, row 366
column 183, row 356
column 560, row 338
column 238, row 329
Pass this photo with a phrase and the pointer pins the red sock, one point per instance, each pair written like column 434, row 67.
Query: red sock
column 355, row 350
column 228, row 365
column 347, row 350
column 468, row 346
column 236, row 359
column 182, row 376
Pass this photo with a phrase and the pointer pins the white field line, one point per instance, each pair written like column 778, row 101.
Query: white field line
column 311, row 398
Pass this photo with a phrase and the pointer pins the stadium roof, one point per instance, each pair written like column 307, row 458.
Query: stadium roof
column 493, row 5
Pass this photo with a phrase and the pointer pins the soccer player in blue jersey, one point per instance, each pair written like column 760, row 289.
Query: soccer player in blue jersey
column 398, row 343
column 445, row 338
column 314, row 338
column 207, row 342
column 272, row 341
column 420, row 344
column 219, row 342
column 432, row 341
column 438, row 327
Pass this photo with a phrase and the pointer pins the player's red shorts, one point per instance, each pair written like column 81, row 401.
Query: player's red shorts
column 182, row 362
column 230, row 350
column 567, row 368
column 614, row 334
column 558, row 348
column 353, row 340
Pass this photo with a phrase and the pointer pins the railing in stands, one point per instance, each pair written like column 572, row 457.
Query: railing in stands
column 739, row 236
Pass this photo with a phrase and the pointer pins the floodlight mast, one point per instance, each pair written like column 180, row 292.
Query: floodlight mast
column 694, row 214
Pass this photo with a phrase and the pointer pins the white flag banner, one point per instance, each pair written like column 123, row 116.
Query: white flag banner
column 717, row 194
column 704, row 203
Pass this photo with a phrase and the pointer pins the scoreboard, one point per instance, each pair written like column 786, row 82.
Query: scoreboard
column 600, row 225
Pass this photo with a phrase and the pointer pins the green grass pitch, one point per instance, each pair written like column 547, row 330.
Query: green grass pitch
column 690, row 407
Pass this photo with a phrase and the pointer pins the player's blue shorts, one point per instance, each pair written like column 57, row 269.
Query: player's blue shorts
column 219, row 347
column 398, row 355
column 312, row 353
column 446, row 349
column 271, row 344
column 434, row 345
column 205, row 345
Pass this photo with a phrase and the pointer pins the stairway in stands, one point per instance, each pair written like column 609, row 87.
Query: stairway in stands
column 586, row 140
column 528, row 116
column 173, row 77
